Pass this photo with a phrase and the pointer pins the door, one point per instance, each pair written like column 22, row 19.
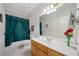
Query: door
column 40, row 28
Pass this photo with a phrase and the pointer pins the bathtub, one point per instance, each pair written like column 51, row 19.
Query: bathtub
column 15, row 50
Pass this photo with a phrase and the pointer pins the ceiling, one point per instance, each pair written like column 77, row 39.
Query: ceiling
column 22, row 8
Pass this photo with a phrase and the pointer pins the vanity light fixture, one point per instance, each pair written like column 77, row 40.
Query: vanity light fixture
column 52, row 8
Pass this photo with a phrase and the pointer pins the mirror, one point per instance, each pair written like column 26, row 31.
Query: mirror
column 55, row 24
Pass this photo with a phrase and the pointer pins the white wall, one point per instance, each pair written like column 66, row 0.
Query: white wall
column 77, row 29
column 2, row 29
column 34, row 17
column 15, row 13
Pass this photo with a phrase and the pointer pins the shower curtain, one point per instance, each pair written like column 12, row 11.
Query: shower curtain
column 17, row 29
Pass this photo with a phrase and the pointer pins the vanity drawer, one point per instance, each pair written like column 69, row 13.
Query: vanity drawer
column 40, row 52
column 54, row 53
column 42, row 47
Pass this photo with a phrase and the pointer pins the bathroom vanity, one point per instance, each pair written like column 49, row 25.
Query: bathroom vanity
column 41, row 47
column 40, row 50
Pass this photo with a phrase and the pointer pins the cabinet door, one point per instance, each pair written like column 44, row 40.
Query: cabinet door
column 54, row 53
column 42, row 47
column 40, row 52
column 33, row 50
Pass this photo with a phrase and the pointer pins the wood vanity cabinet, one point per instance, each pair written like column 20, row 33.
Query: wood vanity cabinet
column 54, row 53
column 38, row 49
column 33, row 50
column 41, row 50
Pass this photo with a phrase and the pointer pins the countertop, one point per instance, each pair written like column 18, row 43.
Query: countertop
column 57, row 46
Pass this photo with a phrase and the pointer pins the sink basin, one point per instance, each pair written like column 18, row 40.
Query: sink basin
column 49, row 39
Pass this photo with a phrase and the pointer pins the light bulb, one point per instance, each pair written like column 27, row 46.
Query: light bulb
column 50, row 11
column 51, row 6
column 48, row 8
column 54, row 9
column 44, row 10
column 47, row 12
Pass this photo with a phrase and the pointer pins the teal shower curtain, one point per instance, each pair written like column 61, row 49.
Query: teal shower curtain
column 17, row 29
